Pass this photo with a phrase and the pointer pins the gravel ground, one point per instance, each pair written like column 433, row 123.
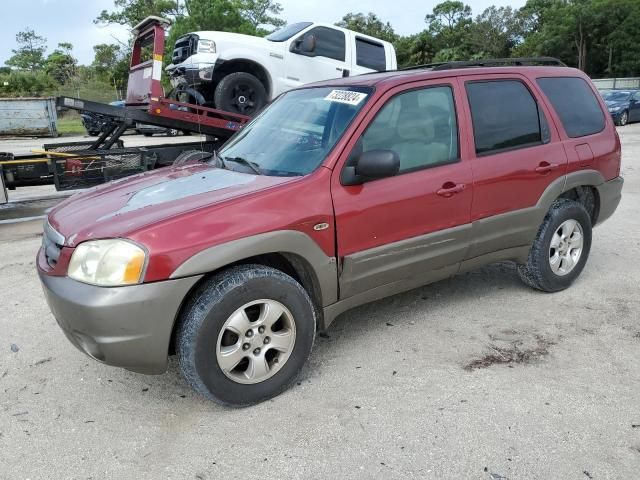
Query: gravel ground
column 476, row 377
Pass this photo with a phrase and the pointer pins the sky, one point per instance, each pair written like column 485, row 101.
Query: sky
column 72, row 20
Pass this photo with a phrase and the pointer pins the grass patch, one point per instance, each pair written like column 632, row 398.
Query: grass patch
column 70, row 125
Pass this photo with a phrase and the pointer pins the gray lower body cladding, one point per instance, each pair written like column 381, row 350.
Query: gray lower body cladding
column 127, row 327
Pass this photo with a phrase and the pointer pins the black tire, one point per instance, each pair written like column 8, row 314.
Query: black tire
column 93, row 133
column 205, row 314
column 240, row 92
column 191, row 156
column 147, row 134
column 537, row 273
column 623, row 119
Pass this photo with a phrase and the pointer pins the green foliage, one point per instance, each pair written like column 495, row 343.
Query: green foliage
column 111, row 65
column 261, row 12
column 369, row 24
column 26, row 84
column 132, row 12
column 61, row 64
column 30, row 52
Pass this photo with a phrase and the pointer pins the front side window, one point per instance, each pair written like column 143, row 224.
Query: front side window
column 370, row 55
column 419, row 125
column 329, row 43
column 575, row 104
column 505, row 116
column 296, row 132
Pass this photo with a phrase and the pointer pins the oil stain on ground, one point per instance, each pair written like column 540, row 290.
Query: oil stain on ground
column 516, row 353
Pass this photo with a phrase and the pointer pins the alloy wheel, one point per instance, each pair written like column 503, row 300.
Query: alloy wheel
column 256, row 341
column 566, row 247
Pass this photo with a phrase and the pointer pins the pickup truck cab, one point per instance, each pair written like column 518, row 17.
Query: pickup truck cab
column 337, row 194
column 241, row 73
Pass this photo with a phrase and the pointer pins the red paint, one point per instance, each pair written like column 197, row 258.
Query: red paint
column 361, row 217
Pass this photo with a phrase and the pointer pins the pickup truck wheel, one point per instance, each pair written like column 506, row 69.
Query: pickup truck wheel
column 244, row 335
column 561, row 248
column 240, row 92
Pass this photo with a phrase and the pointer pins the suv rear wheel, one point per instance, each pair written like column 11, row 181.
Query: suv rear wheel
column 240, row 92
column 245, row 334
column 561, row 248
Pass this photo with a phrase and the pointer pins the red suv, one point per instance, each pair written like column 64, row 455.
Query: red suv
column 337, row 194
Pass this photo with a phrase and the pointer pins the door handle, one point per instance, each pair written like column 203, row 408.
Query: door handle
column 450, row 188
column 546, row 167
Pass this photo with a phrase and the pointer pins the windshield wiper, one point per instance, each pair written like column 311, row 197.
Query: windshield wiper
column 253, row 166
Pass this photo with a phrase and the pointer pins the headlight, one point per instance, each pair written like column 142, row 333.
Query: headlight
column 108, row 263
column 615, row 109
column 206, row 46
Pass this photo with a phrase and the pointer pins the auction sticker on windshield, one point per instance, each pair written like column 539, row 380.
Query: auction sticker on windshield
column 345, row 96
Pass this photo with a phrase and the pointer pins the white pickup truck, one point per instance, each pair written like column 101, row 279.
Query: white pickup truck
column 241, row 73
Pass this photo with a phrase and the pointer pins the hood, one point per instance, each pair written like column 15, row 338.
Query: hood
column 226, row 40
column 615, row 103
column 123, row 206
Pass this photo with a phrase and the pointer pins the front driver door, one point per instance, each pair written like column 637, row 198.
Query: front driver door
column 327, row 60
column 634, row 108
column 412, row 228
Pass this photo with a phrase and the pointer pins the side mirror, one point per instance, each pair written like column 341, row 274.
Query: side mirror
column 309, row 43
column 371, row 165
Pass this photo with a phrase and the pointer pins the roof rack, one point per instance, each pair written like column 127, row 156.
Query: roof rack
column 490, row 62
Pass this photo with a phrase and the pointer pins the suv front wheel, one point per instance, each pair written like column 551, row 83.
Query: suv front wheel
column 245, row 334
column 561, row 247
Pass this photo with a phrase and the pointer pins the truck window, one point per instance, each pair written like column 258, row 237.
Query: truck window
column 330, row 43
column 419, row 125
column 505, row 116
column 370, row 54
column 575, row 104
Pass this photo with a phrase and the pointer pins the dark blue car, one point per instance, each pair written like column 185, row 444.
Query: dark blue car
column 623, row 105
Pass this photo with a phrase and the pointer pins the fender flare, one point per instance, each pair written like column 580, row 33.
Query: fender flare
column 281, row 242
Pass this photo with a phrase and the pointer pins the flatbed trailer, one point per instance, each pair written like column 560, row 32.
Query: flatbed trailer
column 83, row 164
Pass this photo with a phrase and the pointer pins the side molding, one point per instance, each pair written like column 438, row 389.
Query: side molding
column 282, row 241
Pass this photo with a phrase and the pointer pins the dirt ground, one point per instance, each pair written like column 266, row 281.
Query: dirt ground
column 476, row 377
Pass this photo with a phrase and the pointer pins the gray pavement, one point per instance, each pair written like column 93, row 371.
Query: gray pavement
column 391, row 392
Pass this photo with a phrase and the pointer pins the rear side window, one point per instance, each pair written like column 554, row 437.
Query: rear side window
column 329, row 42
column 575, row 104
column 370, row 55
column 505, row 116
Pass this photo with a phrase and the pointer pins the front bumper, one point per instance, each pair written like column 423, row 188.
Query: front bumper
column 195, row 70
column 610, row 194
column 127, row 327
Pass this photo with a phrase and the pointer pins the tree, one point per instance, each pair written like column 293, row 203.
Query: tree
column 261, row 12
column 30, row 52
column 494, row 33
column 61, row 64
column 448, row 14
column 369, row 24
column 132, row 12
column 111, row 64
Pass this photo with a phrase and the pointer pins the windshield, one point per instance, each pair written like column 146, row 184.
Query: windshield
column 297, row 131
column 285, row 33
column 614, row 96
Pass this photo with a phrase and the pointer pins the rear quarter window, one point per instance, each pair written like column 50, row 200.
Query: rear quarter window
column 575, row 103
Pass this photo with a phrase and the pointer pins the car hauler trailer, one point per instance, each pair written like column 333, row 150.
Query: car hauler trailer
column 84, row 164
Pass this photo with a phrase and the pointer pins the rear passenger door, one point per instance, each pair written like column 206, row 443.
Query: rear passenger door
column 517, row 155
column 370, row 56
column 413, row 227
